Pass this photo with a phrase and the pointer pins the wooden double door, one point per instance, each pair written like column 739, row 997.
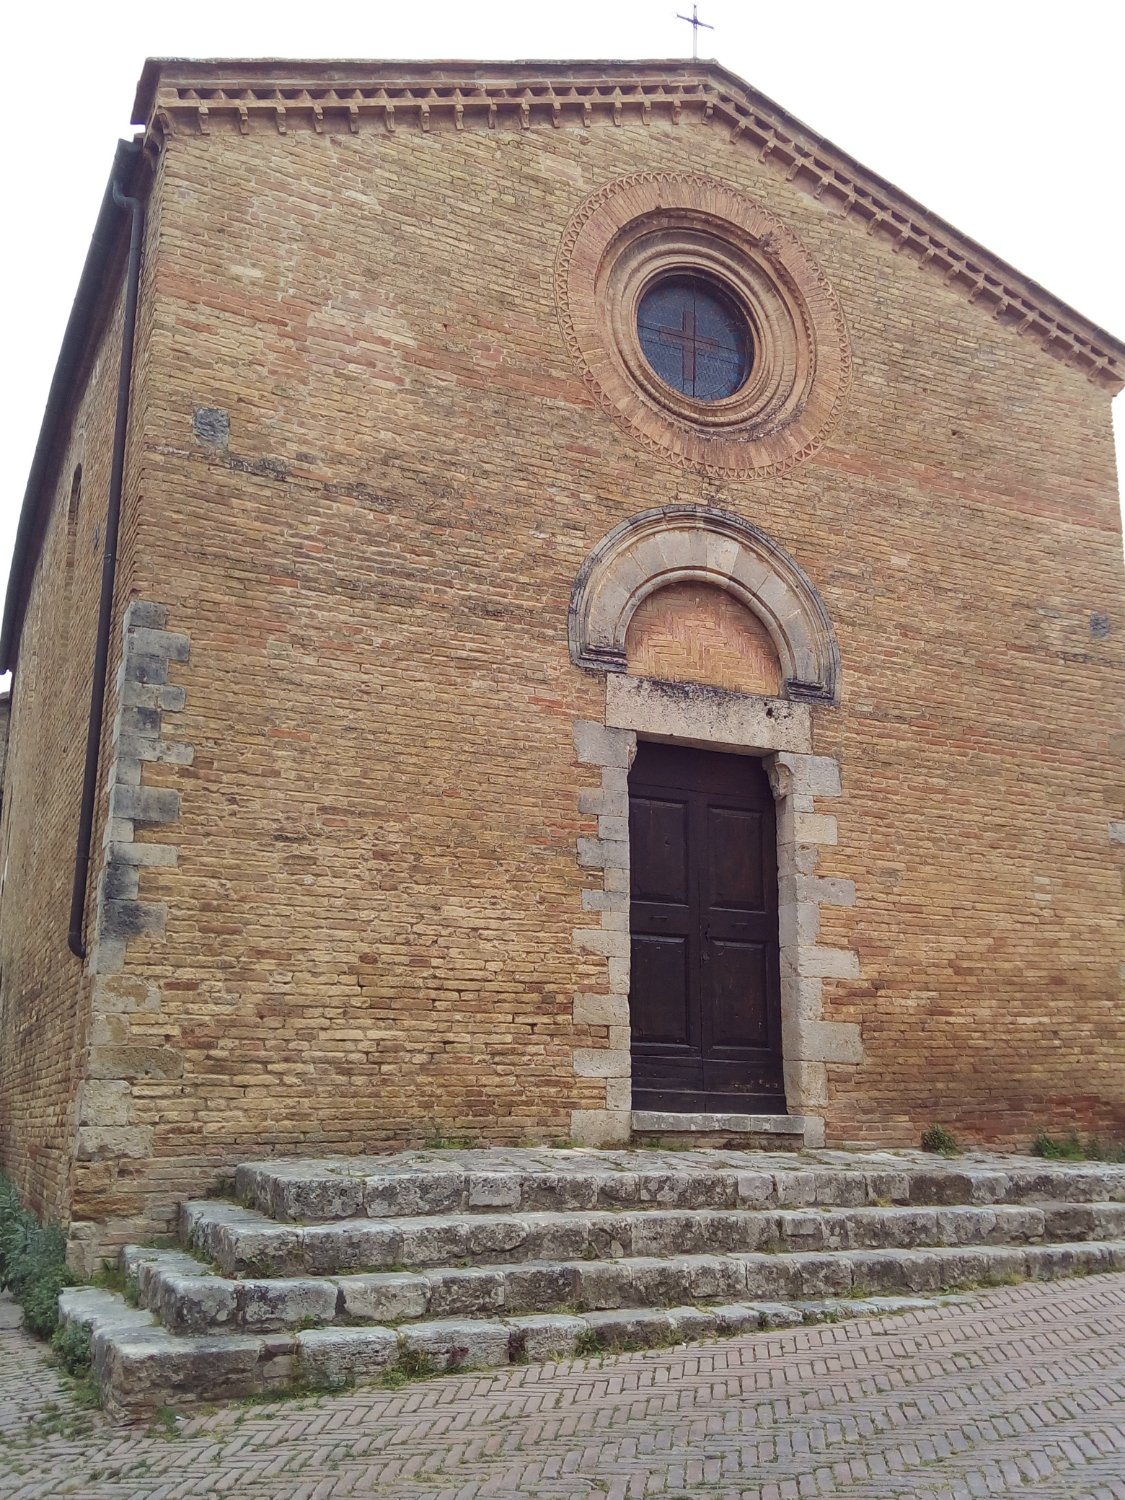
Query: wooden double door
column 704, row 996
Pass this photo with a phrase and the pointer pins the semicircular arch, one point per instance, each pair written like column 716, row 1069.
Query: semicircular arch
column 698, row 544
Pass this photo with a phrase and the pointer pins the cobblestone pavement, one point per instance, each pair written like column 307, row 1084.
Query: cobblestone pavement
column 1019, row 1391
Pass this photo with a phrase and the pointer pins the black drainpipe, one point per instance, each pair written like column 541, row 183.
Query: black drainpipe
column 76, row 939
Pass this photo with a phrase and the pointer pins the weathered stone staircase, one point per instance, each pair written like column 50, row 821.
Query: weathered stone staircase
column 328, row 1272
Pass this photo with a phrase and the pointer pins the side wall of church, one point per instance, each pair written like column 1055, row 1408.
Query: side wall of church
column 373, row 472
column 45, row 990
column 61, row 1119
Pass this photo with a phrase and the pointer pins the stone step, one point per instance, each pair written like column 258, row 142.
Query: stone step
column 242, row 1242
column 189, row 1299
column 537, row 1180
column 141, row 1366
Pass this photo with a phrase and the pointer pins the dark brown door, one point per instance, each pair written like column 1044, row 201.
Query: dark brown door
column 705, row 992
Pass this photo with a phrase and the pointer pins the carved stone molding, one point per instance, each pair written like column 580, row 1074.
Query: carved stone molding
column 674, row 544
column 640, row 227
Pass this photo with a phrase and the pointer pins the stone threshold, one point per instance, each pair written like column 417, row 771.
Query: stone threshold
column 664, row 1122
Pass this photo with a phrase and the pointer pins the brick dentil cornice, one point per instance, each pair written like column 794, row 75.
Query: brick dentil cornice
column 182, row 95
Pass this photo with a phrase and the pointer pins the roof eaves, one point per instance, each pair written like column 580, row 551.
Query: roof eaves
column 1002, row 289
column 89, row 301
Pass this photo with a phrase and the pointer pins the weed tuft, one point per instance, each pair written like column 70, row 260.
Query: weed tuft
column 1058, row 1147
column 589, row 1341
column 415, row 1364
column 32, row 1262
column 941, row 1141
column 111, row 1277
column 165, row 1422
column 70, row 1344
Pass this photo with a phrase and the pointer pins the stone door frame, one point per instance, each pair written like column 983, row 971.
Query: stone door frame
column 723, row 550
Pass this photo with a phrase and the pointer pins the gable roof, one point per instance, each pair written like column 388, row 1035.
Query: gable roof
column 180, row 94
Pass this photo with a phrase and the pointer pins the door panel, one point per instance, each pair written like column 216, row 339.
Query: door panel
column 658, row 835
column 705, row 986
column 660, row 964
column 737, row 982
column 734, row 847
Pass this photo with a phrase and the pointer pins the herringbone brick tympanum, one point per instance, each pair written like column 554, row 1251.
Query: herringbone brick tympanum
column 1013, row 1392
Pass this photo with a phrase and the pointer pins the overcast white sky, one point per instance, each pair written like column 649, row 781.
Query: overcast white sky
column 1005, row 118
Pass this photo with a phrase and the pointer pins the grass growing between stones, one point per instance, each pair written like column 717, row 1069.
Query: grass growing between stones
column 995, row 1279
column 56, row 1420
column 113, row 1278
column 300, row 1389
column 166, row 1422
column 1071, row 1147
column 412, row 1364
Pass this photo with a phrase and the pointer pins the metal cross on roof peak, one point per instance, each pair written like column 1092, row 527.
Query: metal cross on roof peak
column 695, row 23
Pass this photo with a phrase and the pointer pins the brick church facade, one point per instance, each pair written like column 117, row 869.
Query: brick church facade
column 614, row 627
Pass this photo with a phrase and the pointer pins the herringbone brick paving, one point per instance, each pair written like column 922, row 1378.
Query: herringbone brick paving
column 1019, row 1391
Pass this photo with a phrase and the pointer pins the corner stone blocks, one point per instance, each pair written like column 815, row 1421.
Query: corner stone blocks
column 611, row 751
column 809, row 1043
column 144, row 696
column 137, row 837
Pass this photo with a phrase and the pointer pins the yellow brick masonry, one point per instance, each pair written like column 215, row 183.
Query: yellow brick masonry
column 44, row 998
column 369, row 933
column 46, row 1094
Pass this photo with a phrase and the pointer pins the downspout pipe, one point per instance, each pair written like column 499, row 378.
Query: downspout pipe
column 76, row 939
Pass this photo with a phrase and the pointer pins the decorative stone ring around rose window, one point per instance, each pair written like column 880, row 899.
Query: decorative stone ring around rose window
column 701, row 323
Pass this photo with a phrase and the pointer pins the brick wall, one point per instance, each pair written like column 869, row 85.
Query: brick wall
column 695, row 633
column 45, row 991
column 372, row 472
column 46, row 1020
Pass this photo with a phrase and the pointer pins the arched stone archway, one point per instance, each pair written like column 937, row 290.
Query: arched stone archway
column 689, row 543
